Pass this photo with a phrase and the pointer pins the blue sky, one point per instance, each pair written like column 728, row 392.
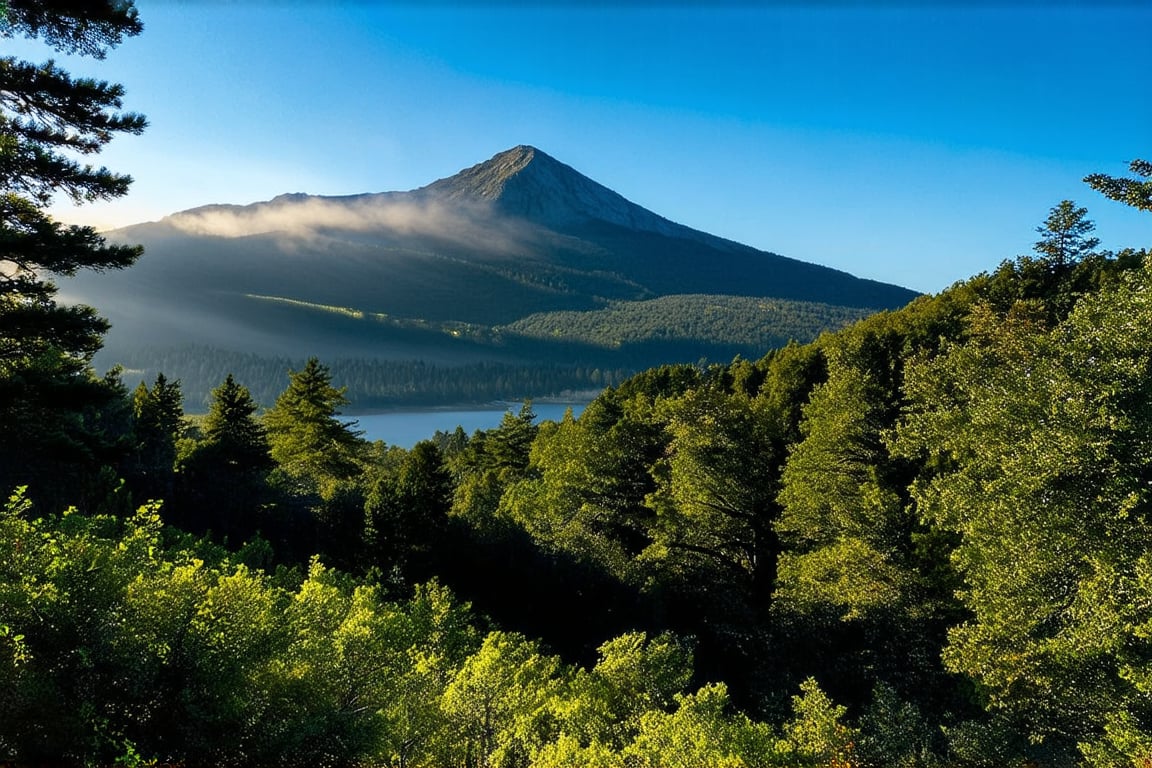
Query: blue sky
column 916, row 144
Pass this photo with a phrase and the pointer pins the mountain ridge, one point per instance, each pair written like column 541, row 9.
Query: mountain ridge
column 444, row 267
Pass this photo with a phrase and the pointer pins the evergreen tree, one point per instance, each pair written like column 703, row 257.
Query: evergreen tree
column 1065, row 237
column 231, row 427
column 158, row 425
column 1133, row 192
column 46, row 117
column 308, row 440
column 227, row 471
column 50, row 403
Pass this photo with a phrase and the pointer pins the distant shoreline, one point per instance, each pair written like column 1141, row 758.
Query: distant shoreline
column 499, row 406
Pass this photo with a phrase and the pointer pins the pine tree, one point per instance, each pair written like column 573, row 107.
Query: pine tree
column 159, row 424
column 54, row 429
column 227, row 471
column 1065, row 237
column 307, row 438
column 46, row 118
column 1133, row 192
column 239, row 440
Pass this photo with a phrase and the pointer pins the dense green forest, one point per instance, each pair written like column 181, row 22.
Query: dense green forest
column 758, row 323
column 548, row 354
column 922, row 540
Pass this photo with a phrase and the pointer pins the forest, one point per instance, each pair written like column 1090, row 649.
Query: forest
column 544, row 354
column 922, row 540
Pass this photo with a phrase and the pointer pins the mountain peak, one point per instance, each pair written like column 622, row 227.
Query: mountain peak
column 527, row 182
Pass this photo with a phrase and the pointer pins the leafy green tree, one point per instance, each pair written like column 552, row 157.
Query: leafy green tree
column 716, row 494
column 701, row 731
column 635, row 674
column 499, row 701
column 587, row 482
column 816, row 734
column 864, row 591
column 1042, row 437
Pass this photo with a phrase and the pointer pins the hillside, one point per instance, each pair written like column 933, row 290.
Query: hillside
column 450, row 273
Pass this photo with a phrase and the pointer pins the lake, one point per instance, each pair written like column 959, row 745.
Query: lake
column 406, row 428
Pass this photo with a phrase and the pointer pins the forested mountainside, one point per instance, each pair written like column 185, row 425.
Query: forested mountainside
column 916, row 541
column 547, row 354
column 483, row 266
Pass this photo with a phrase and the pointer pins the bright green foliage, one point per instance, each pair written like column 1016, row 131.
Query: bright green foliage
column 816, row 734
column 441, row 638
column 634, row 675
column 567, row 752
column 308, row 441
column 1044, row 436
column 1133, row 192
column 499, row 702
column 700, row 732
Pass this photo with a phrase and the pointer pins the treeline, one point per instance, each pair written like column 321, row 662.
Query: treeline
column 370, row 383
column 751, row 323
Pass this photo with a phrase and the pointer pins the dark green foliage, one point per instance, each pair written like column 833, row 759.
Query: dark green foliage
column 371, row 383
column 158, row 425
column 749, row 323
column 225, row 473
column 1133, row 192
column 44, row 114
column 59, row 424
column 72, row 26
column 1065, row 238
column 406, row 514
column 62, row 430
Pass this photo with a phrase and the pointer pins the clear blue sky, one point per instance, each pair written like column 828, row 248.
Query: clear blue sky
column 916, row 145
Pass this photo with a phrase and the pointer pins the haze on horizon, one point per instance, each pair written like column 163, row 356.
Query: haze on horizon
column 914, row 145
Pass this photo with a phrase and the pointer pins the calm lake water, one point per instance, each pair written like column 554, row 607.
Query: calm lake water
column 406, row 428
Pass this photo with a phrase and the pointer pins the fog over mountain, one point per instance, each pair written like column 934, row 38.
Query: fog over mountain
column 435, row 273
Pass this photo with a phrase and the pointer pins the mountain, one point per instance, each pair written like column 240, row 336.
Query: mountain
column 445, row 272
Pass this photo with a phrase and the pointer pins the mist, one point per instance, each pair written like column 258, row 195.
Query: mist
column 388, row 215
